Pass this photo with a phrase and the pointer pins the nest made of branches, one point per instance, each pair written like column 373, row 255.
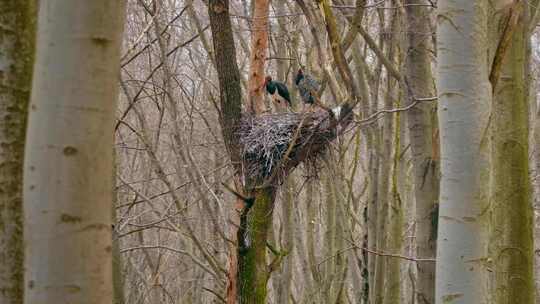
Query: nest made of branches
column 274, row 144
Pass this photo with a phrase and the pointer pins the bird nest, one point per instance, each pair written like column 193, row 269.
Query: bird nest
column 274, row 144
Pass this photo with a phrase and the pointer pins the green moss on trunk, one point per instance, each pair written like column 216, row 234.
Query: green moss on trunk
column 17, row 34
column 253, row 269
column 511, row 233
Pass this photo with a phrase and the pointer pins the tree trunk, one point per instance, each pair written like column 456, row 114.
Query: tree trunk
column 69, row 162
column 17, row 35
column 394, row 222
column 259, row 49
column 289, row 185
column 464, row 105
column 511, row 235
column 424, row 144
column 384, row 203
column 253, row 270
column 230, row 113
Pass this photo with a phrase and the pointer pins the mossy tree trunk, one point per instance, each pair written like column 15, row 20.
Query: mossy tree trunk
column 511, row 233
column 68, row 169
column 17, row 35
column 248, row 271
column 253, row 270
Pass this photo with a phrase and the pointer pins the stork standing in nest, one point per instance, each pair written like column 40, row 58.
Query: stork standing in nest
column 283, row 96
column 308, row 88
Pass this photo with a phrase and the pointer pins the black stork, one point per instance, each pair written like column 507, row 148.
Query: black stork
column 307, row 87
column 282, row 91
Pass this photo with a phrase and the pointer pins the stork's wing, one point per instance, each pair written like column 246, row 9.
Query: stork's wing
column 311, row 83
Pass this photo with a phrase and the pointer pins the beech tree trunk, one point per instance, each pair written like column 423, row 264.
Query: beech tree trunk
column 464, row 106
column 17, row 35
column 68, row 160
column 424, row 142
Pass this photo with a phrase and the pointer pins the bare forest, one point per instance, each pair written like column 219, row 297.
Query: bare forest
column 269, row 151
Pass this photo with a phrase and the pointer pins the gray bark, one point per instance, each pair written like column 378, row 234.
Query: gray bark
column 464, row 105
column 68, row 161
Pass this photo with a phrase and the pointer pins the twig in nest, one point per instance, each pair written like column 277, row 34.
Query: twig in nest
column 285, row 157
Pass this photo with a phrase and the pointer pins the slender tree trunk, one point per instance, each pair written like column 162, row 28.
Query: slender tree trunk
column 288, row 228
column 384, row 203
column 394, row 223
column 464, row 105
column 17, row 35
column 69, row 161
column 424, row 144
column 330, row 240
column 289, row 186
column 118, row 275
column 511, row 235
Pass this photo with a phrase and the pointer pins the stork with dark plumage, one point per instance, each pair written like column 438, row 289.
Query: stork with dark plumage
column 283, row 97
column 308, row 87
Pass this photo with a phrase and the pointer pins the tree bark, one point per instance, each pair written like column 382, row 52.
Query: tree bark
column 259, row 49
column 511, row 235
column 229, row 115
column 424, row 142
column 17, row 35
column 253, row 270
column 464, row 105
column 68, row 161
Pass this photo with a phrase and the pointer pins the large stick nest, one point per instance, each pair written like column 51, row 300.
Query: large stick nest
column 266, row 141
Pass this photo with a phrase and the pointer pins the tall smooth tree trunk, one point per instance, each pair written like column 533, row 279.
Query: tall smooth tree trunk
column 289, row 185
column 464, row 106
column 17, row 35
column 394, row 222
column 424, row 143
column 384, row 203
column 511, row 234
column 68, row 160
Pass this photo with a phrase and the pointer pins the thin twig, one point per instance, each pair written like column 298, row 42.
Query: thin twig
column 373, row 117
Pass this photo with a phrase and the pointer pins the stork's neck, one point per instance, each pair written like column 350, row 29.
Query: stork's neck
column 270, row 87
column 299, row 78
